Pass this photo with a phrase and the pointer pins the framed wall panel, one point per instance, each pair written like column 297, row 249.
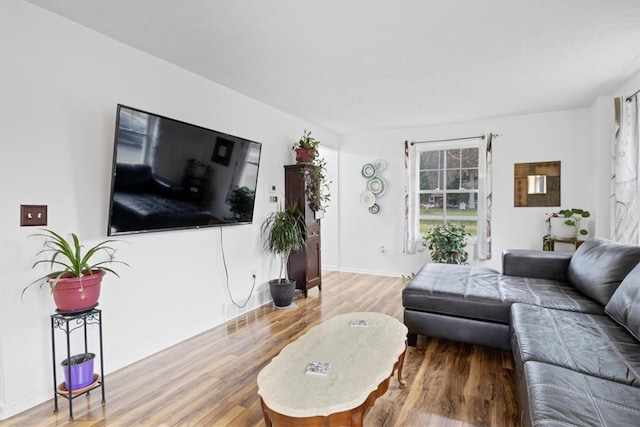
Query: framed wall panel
column 528, row 191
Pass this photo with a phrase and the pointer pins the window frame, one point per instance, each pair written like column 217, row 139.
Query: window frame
column 438, row 147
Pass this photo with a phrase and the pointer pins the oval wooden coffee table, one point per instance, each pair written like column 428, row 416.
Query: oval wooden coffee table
column 362, row 362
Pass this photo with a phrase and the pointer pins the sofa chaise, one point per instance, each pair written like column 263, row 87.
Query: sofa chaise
column 143, row 200
column 572, row 322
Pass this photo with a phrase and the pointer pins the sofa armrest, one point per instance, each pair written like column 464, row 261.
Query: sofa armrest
column 536, row 264
column 166, row 188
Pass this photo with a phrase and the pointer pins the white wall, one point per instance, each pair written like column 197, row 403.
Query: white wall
column 60, row 84
column 531, row 138
column 330, row 225
column 580, row 139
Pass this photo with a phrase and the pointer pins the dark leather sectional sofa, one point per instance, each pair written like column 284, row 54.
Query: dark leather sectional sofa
column 572, row 322
column 144, row 201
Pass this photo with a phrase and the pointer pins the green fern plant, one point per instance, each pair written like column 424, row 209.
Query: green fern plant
column 66, row 258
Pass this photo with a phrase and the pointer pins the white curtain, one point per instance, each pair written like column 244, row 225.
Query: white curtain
column 411, row 197
column 485, row 194
column 625, row 179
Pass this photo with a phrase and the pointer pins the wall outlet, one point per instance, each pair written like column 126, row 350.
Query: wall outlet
column 273, row 199
column 381, row 249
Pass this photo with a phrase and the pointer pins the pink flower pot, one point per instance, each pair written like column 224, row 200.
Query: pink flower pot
column 73, row 294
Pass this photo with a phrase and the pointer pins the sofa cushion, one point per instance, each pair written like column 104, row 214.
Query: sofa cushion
column 135, row 178
column 560, row 397
column 456, row 290
column 591, row 344
column 624, row 305
column 483, row 294
column 599, row 265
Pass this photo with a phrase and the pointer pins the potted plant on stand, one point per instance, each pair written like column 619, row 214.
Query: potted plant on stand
column 283, row 232
column 78, row 371
column 565, row 224
column 76, row 275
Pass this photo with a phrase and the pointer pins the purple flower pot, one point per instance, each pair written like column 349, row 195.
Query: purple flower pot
column 79, row 373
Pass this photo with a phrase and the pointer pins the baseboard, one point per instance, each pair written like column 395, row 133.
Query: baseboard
column 258, row 299
column 365, row 271
column 14, row 407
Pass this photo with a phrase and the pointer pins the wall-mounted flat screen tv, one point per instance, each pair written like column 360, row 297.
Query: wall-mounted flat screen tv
column 169, row 175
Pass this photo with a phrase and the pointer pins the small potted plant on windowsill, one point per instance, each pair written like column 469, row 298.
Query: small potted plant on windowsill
column 284, row 232
column 77, row 275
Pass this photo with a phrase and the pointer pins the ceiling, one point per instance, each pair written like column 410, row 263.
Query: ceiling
column 361, row 66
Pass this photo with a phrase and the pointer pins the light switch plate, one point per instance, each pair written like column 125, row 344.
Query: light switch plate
column 33, row 215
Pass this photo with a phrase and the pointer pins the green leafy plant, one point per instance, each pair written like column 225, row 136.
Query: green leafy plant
column 572, row 218
column 407, row 278
column 284, row 232
column 78, row 359
column 317, row 186
column 241, row 201
column 447, row 243
column 67, row 259
column 308, row 142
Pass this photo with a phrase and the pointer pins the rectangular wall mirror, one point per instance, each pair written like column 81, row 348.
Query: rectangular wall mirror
column 536, row 184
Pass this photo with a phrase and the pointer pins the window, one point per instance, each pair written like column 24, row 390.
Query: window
column 449, row 181
column 448, row 185
column 136, row 134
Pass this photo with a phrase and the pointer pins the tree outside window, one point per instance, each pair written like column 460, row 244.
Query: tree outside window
column 448, row 186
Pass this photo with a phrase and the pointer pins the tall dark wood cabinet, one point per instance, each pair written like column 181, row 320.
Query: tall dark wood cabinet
column 304, row 266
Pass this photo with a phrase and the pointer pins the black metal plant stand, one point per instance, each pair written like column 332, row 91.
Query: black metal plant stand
column 69, row 322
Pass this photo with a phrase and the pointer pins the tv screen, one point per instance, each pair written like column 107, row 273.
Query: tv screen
column 169, row 174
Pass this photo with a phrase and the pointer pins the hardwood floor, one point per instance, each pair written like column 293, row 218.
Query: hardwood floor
column 210, row 379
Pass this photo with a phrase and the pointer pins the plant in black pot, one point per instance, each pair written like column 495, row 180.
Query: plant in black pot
column 76, row 274
column 283, row 232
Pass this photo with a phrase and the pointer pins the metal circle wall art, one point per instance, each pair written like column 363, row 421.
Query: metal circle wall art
column 367, row 199
column 375, row 185
column 368, row 171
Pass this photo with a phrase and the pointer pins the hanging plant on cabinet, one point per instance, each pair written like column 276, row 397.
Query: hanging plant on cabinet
column 316, row 183
column 317, row 189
